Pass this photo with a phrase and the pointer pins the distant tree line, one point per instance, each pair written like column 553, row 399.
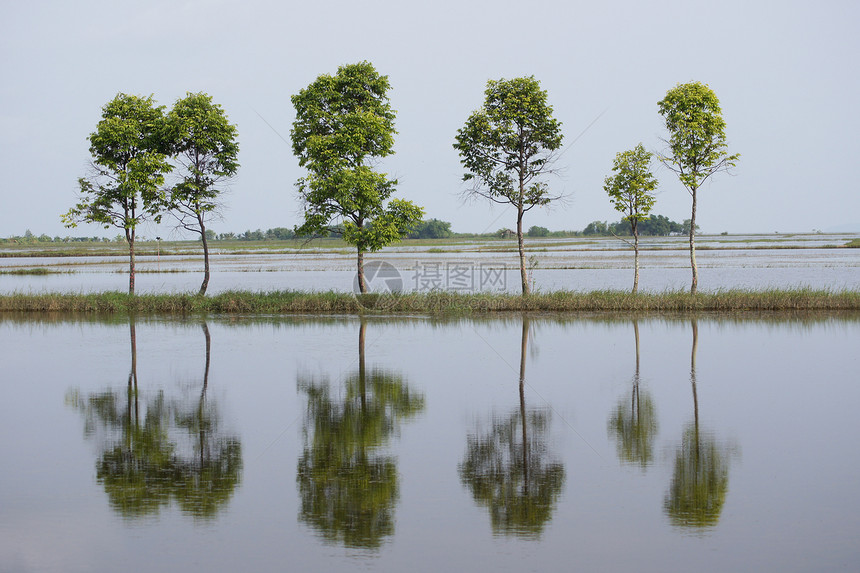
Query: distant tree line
column 654, row 225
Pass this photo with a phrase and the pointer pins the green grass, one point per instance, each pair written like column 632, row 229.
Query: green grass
column 295, row 302
column 854, row 244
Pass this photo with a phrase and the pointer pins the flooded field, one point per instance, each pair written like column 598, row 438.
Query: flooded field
column 779, row 261
column 537, row 443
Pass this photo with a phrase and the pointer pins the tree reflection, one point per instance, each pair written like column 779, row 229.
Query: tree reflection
column 509, row 469
column 348, row 487
column 146, row 461
column 634, row 421
column 701, row 473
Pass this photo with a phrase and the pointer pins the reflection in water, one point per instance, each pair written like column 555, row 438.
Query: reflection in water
column 634, row 421
column 701, row 476
column 146, row 461
column 509, row 468
column 348, row 488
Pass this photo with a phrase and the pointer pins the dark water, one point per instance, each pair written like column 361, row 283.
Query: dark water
column 512, row 444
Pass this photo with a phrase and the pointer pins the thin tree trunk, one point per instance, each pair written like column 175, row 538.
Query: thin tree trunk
column 635, row 258
column 208, row 355
column 362, row 286
column 361, row 371
column 695, row 393
column 132, row 375
column 695, row 285
column 524, row 418
column 129, row 237
column 205, row 255
column 521, row 245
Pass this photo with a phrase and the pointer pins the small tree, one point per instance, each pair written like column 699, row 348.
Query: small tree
column 697, row 144
column 204, row 144
column 344, row 123
column 507, row 146
column 128, row 168
column 631, row 191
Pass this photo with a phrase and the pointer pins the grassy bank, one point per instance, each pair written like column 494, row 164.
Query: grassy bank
column 292, row 302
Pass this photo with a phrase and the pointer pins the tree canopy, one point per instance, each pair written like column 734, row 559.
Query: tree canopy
column 204, row 144
column 631, row 191
column 129, row 161
column 508, row 146
column 697, row 144
column 344, row 124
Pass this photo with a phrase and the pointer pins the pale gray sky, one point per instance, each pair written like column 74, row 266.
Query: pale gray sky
column 782, row 71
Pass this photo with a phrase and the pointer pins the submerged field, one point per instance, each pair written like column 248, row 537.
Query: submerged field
column 583, row 273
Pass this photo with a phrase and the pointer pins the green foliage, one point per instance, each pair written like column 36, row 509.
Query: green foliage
column 631, row 189
column 700, row 480
column 129, row 160
column 432, row 229
column 507, row 146
column 509, row 470
column 697, row 138
column 129, row 150
column 535, row 231
column 344, row 123
column 204, row 143
column 656, row 225
column 348, row 488
column 633, row 423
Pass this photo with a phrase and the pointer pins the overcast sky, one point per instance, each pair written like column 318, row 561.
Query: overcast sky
column 786, row 73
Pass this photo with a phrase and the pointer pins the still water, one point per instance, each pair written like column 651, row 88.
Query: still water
column 554, row 264
column 522, row 443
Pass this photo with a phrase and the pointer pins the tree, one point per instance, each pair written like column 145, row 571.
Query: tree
column 204, row 144
column 348, row 487
column 536, row 231
column 700, row 480
column 144, row 463
column 510, row 469
column 128, row 168
column 344, row 123
column 507, row 146
column 634, row 421
column 432, row 229
column 631, row 191
column 697, row 144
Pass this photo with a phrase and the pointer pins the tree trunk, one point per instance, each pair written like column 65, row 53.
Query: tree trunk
column 524, row 418
column 362, row 286
column 521, row 245
column 205, row 255
column 635, row 258
column 129, row 237
column 695, row 285
column 361, row 371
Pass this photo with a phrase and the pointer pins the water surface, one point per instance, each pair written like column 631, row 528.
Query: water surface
column 519, row 443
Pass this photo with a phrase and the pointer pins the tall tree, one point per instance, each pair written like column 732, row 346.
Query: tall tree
column 348, row 488
column 631, row 191
column 203, row 141
column 128, row 167
column 700, row 480
column 634, row 421
column 507, row 146
column 344, row 124
column 697, row 145
column 510, row 469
